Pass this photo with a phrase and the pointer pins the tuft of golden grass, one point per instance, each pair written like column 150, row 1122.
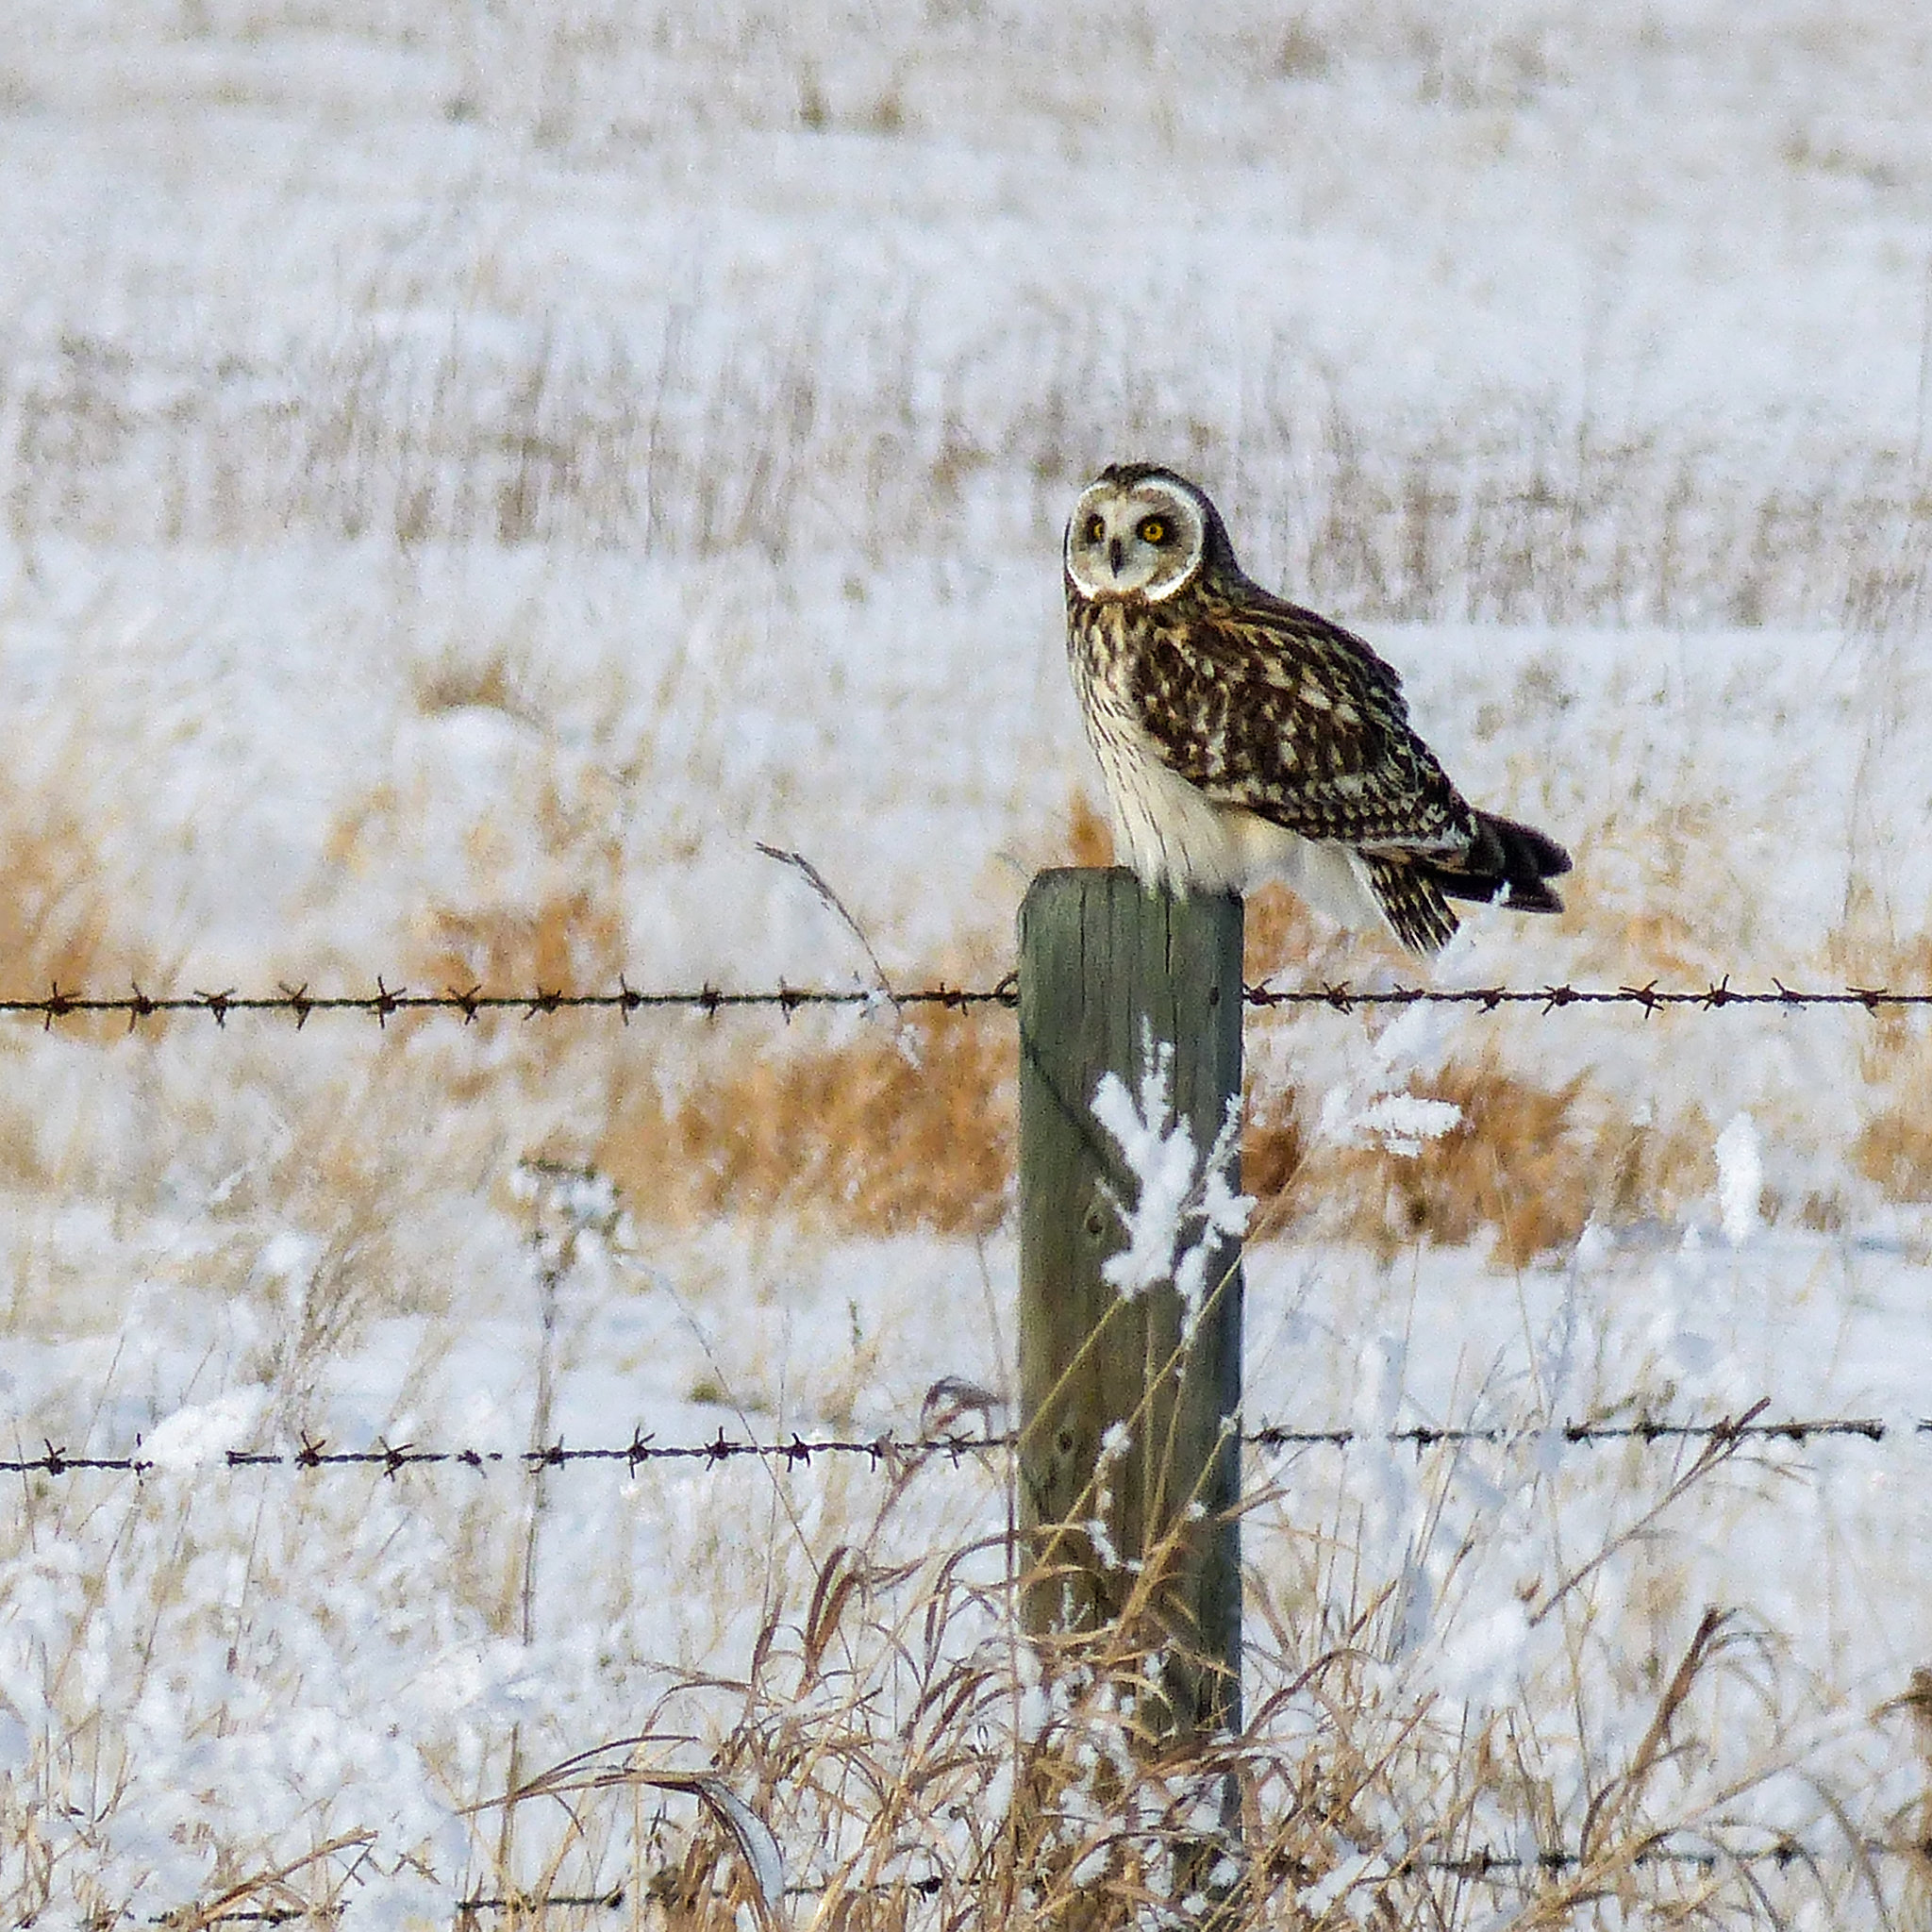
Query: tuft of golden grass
column 571, row 941
column 1893, row 1147
column 57, row 923
column 60, row 927
column 1089, row 837
column 892, row 1133
column 1518, row 1165
column 1275, row 1149
column 884, row 1134
column 571, row 937
column 498, row 679
column 1282, row 939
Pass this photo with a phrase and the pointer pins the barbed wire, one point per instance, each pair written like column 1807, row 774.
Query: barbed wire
column 611, row 1901
column 1483, row 1864
column 886, row 1450
column 1710, row 998
column 1426, row 1436
column 388, row 1003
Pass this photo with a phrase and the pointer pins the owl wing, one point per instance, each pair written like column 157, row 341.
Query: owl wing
column 1271, row 708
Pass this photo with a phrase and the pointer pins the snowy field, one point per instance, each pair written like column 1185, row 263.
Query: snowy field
column 469, row 474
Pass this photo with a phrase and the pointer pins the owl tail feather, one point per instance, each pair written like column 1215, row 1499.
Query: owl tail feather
column 1411, row 896
column 1507, row 865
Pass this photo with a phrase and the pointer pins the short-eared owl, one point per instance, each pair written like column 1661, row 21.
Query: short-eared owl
column 1245, row 738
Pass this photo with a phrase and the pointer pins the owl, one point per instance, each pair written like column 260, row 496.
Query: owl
column 1245, row 738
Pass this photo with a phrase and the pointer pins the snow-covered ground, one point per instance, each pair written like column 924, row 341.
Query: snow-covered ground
column 470, row 473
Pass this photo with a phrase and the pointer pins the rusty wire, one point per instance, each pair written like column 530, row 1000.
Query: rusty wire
column 473, row 1003
column 1483, row 1864
column 1486, row 1864
column 387, row 1002
column 1650, row 998
column 895, row 1452
column 1645, row 1429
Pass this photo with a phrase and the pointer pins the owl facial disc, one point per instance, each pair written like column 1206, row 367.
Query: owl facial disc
column 1135, row 533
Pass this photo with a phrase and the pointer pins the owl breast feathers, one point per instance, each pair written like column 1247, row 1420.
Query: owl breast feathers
column 1243, row 738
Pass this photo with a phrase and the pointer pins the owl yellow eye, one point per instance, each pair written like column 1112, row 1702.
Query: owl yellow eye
column 1153, row 530
column 1095, row 529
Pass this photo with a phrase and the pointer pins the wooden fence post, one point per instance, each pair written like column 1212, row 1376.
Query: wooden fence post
column 1105, row 966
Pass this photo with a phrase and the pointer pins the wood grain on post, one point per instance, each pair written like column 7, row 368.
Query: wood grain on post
column 1105, row 966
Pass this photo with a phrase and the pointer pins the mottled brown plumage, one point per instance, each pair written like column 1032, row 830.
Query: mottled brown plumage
column 1245, row 737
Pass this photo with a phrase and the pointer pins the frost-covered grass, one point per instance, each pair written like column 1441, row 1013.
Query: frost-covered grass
column 1499, row 1647
column 466, row 475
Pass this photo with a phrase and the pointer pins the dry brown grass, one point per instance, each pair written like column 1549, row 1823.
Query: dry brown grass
column 905, row 1122
column 891, row 1128
column 864, row 1137
column 572, row 940
column 1275, row 1150
column 918, row 1762
column 571, row 937
column 1516, row 1165
column 498, row 679
column 59, row 926
column 1529, row 1165
column 895, row 1130
column 534, row 435
column 1089, row 837
column 1893, row 1147
column 910, row 1125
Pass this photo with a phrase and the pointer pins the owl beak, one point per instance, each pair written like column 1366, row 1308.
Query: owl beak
column 1116, row 554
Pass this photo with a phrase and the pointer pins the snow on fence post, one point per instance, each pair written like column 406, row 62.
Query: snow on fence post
column 1121, row 1425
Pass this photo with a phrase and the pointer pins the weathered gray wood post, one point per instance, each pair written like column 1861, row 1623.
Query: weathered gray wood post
column 1105, row 966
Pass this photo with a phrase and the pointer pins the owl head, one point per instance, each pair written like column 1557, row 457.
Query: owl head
column 1139, row 530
